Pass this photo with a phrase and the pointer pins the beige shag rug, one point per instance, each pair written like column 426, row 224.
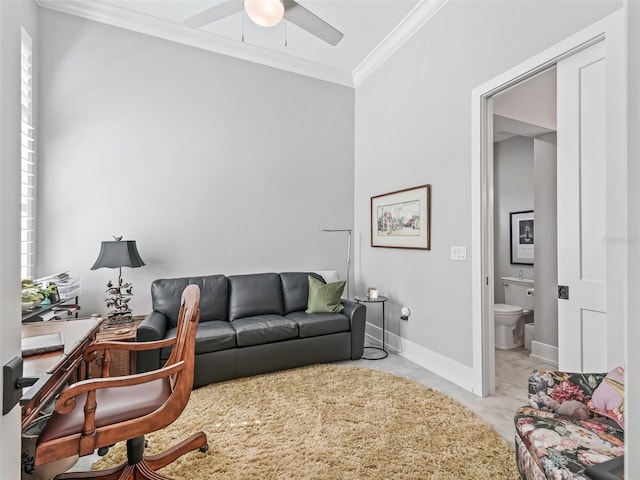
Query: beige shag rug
column 330, row 422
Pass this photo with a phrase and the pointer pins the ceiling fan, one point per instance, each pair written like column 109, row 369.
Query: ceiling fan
column 268, row 13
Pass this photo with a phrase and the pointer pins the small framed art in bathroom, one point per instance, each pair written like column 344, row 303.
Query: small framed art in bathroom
column 521, row 232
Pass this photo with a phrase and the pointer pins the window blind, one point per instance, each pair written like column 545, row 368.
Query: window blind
column 27, row 162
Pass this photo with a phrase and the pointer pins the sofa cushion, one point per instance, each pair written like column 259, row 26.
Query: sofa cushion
column 254, row 294
column 264, row 329
column 211, row 336
column 295, row 290
column 214, row 295
column 608, row 397
column 562, row 446
column 316, row 324
column 324, row 298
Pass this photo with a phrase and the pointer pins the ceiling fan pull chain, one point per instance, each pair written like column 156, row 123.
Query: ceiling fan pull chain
column 243, row 28
column 285, row 33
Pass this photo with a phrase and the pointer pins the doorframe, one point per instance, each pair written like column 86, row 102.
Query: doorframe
column 612, row 30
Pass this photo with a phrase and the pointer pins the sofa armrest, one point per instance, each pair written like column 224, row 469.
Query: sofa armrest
column 152, row 328
column 549, row 389
column 357, row 314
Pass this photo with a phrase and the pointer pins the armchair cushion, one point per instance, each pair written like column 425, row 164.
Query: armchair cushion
column 562, row 445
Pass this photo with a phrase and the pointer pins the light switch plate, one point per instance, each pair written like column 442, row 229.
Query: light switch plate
column 458, row 253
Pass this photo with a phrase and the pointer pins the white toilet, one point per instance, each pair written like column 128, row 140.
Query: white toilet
column 518, row 295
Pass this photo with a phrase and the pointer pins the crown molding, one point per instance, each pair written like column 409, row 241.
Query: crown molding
column 105, row 13
column 414, row 20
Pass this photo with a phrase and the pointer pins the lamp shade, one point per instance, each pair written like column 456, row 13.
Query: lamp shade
column 266, row 13
column 118, row 253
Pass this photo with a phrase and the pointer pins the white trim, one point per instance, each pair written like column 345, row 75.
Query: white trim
column 392, row 341
column 103, row 12
column 415, row 19
column 461, row 375
column 108, row 14
column 479, row 99
column 545, row 353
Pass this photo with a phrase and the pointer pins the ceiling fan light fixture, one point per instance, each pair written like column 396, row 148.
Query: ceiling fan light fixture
column 266, row 13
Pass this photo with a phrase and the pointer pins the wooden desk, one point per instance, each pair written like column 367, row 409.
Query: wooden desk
column 55, row 369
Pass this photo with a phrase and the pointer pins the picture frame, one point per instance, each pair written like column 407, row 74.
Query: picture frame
column 402, row 219
column 522, row 235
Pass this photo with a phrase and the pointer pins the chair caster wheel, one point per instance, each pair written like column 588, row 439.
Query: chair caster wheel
column 102, row 451
column 204, row 448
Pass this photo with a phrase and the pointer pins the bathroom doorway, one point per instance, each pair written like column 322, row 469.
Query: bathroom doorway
column 572, row 343
column 524, row 198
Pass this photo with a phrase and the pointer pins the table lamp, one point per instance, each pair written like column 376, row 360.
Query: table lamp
column 118, row 253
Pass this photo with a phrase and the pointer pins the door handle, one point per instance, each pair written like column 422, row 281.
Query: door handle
column 563, row 292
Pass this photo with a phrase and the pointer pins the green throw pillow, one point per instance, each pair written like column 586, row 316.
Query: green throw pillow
column 324, row 298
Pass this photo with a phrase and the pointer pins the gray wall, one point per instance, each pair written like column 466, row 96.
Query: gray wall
column 513, row 191
column 214, row 165
column 413, row 118
column 545, row 302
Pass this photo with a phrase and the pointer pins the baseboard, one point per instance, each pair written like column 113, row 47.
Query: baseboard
column 392, row 341
column 455, row 372
column 545, row 353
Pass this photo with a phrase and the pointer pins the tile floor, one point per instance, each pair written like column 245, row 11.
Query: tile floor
column 512, row 371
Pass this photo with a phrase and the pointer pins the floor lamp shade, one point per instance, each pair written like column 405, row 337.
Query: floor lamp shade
column 116, row 254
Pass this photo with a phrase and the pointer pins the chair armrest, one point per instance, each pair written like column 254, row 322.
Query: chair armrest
column 549, row 389
column 357, row 314
column 91, row 352
column 65, row 402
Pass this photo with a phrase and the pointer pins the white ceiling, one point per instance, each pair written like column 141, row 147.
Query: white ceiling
column 372, row 30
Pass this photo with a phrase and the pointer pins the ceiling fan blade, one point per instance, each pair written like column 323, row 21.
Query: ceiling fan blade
column 296, row 13
column 212, row 14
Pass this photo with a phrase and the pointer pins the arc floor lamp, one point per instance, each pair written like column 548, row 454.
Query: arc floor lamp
column 346, row 230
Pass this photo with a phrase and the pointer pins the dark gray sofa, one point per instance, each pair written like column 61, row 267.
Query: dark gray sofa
column 251, row 324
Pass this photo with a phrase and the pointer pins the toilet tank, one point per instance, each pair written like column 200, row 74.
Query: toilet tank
column 515, row 292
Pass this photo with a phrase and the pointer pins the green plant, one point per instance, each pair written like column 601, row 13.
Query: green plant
column 31, row 292
column 31, row 295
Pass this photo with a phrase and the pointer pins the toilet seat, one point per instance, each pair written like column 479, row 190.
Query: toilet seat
column 504, row 308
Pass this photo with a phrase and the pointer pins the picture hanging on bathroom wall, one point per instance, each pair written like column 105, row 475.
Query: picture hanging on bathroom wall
column 522, row 237
column 401, row 219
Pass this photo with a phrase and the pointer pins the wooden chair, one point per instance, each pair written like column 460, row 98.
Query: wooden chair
column 100, row 412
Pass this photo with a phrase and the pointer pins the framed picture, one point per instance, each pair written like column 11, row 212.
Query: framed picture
column 522, row 237
column 402, row 219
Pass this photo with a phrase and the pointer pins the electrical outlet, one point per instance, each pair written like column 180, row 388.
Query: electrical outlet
column 458, row 253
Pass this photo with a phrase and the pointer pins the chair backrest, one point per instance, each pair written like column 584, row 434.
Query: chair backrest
column 100, row 412
column 184, row 349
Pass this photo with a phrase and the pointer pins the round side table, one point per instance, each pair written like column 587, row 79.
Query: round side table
column 384, row 354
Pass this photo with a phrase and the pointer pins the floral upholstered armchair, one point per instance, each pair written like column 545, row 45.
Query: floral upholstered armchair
column 573, row 421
